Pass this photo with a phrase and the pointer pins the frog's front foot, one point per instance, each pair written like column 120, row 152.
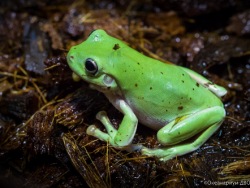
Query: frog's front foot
column 96, row 132
column 120, row 138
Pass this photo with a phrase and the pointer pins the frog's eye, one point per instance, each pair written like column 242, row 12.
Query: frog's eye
column 91, row 66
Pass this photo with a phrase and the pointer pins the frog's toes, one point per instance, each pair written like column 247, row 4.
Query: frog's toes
column 148, row 152
column 102, row 117
column 166, row 158
column 94, row 131
column 162, row 154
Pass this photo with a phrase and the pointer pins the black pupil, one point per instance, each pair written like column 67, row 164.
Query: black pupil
column 90, row 66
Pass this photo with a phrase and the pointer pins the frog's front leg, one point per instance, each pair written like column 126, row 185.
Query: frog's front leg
column 204, row 123
column 122, row 137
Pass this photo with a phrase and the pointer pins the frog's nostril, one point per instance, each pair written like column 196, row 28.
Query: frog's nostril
column 70, row 58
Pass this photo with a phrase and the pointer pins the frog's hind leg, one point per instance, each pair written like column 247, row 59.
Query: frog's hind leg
column 204, row 123
column 216, row 89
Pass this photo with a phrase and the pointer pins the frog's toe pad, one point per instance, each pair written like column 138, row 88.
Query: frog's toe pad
column 101, row 115
column 91, row 130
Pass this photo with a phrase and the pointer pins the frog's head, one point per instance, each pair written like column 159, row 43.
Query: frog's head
column 91, row 60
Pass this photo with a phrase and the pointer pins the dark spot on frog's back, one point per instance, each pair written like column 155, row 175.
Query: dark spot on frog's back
column 180, row 107
column 72, row 57
column 116, row 47
column 197, row 84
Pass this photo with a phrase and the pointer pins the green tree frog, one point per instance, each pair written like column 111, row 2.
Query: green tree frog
column 177, row 102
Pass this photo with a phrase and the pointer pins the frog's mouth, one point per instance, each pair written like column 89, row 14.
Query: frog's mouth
column 101, row 88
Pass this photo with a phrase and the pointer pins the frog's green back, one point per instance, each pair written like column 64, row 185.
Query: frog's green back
column 156, row 84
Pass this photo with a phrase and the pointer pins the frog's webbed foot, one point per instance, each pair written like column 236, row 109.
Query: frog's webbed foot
column 162, row 154
column 165, row 154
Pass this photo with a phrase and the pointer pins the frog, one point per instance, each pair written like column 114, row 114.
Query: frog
column 183, row 108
